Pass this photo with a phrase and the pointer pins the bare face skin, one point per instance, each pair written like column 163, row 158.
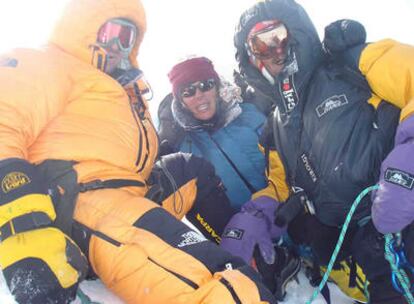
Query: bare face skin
column 202, row 105
column 114, row 57
column 273, row 65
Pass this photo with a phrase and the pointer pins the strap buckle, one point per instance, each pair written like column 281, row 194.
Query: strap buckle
column 25, row 222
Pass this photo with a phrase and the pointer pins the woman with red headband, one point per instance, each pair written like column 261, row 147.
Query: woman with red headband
column 210, row 120
column 205, row 116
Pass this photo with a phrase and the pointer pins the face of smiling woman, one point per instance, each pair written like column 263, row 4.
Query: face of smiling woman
column 203, row 104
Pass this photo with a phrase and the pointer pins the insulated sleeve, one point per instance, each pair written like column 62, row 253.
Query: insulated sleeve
column 389, row 69
column 277, row 187
column 29, row 98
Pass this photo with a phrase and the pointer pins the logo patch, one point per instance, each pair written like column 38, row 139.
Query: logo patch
column 289, row 94
column 233, row 233
column 8, row 62
column 13, row 181
column 400, row 178
column 330, row 104
column 191, row 238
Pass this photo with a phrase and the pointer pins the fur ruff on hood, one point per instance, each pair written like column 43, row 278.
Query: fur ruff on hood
column 228, row 109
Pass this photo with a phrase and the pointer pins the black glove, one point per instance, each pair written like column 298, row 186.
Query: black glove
column 165, row 148
column 408, row 238
column 342, row 35
column 295, row 204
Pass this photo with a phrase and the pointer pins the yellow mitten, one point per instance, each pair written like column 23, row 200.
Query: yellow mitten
column 40, row 263
column 42, row 266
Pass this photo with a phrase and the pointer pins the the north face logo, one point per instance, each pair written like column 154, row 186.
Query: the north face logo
column 330, row 104
column 399, row 178
column 233, row 233
column 191, row 238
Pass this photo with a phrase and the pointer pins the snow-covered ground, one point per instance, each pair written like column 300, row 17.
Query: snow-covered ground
column 296, row 293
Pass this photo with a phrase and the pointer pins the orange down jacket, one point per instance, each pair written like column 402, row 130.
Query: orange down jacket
column 55, row 104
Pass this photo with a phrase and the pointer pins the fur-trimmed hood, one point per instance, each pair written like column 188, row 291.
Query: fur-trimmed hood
column 228, row 109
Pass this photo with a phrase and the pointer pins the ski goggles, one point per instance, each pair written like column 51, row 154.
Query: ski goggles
column 203, row 86
column 117, row 31
column 269, row 43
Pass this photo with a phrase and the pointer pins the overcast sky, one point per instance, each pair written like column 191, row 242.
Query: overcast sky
column 205, row 27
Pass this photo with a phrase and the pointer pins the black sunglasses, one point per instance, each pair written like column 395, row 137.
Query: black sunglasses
column 203, row 86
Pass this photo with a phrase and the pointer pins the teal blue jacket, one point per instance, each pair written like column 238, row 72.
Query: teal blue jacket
column 233, row 148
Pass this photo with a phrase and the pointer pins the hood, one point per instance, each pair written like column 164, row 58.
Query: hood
column 304, row 42
column 228, row 109
column 76, row 30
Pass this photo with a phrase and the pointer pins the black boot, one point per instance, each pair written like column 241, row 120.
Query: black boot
column 277, row 275
column 381, row 291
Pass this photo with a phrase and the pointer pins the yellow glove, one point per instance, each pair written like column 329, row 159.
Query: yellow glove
column 42, row 266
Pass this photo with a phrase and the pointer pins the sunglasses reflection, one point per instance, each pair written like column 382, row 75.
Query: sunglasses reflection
column 203, row 86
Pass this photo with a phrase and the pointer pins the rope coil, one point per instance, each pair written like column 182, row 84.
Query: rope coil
column 340, row 241
column 390, row 255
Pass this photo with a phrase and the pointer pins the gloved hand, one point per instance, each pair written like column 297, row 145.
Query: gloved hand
column 42, row 266
column 393, row 202
column 294, row 205
column 40, row 263
column 252, row 226
column 342, row 35
column 165, row 148
column 268, row 208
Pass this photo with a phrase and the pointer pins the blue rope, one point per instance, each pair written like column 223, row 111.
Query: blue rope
column 399, row 272
column 340, row 241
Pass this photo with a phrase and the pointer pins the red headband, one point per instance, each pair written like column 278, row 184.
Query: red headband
column 190, row 71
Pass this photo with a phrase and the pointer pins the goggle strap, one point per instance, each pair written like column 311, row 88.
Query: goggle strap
column 99, row 58
column 99, row 63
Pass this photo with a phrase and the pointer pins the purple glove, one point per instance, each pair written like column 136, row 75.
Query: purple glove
column 267, row 206
column 393, row 202
column 252, row 226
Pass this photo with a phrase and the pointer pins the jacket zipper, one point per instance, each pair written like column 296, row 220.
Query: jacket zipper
column 135, row 114
column 147, row 146
column 233, row 293
column 139, row 117
column 178, row 276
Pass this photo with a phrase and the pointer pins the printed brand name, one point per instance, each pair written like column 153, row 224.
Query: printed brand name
column 308, row 167
column 289, row 94
column 399, row 178
column 210, row 230
column 13, row 181
column 330, row 104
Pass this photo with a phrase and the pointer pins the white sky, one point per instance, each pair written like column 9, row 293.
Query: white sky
column 205, row 27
